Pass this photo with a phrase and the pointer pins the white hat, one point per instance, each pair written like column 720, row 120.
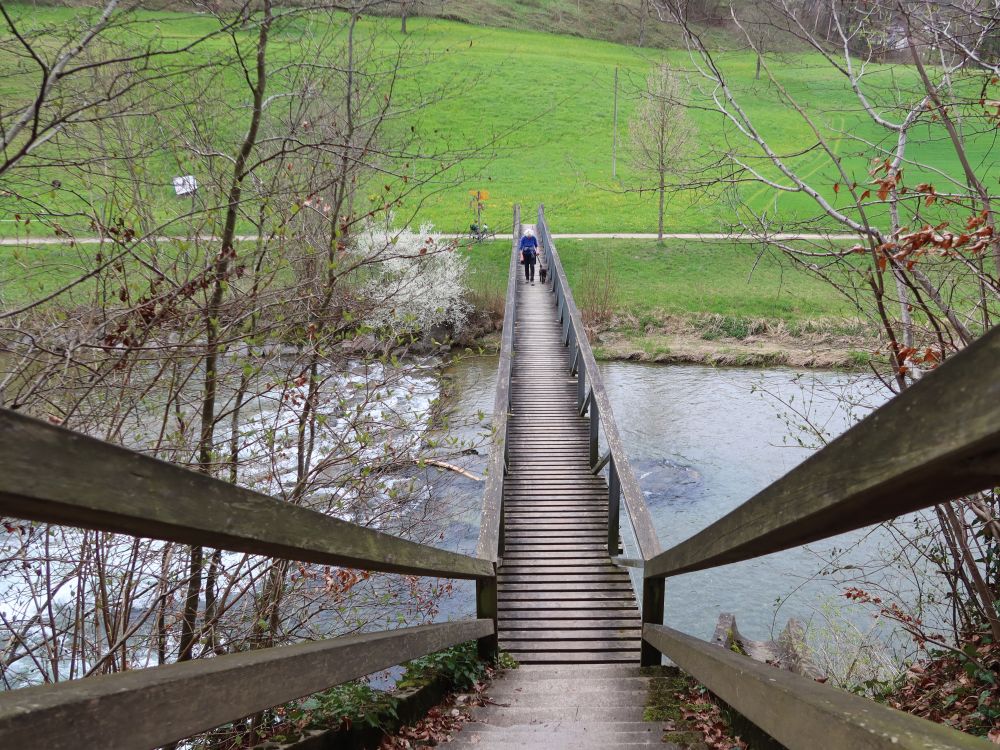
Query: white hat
column 529, row 232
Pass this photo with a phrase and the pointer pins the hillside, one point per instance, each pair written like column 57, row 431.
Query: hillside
column 545, row 102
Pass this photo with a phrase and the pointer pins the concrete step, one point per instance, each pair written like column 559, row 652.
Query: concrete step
column 612, row 697
column 509, row 716
column 586, row 727
column 557, row 742
column 557, row 735
column 576, row 672
column 568, row 686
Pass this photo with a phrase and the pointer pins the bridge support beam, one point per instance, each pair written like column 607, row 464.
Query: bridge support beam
column 614, row 510
column 486, row 609
column 653, row 600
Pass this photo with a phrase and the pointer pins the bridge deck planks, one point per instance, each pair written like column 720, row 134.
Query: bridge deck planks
column 560, row 598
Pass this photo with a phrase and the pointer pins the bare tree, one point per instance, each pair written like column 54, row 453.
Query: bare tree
column 925, row 267
column 660, row 134
column 282, row 363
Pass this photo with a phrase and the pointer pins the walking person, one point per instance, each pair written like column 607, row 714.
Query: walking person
column 529, row 254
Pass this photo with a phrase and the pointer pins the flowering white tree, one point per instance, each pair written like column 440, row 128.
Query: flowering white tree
column 413, row 283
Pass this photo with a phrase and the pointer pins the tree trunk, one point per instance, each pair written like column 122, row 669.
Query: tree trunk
column 663, row 196
column 756, row 75
column 403, row 9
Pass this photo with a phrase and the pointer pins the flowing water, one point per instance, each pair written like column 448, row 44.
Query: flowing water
column 702, row 440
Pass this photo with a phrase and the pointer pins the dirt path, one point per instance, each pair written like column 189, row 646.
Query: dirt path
column 694, row 236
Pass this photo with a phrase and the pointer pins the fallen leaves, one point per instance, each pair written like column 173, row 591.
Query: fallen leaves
column 705, row 716
column 441, row 722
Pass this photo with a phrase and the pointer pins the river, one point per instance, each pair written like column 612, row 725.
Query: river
column 702, row 440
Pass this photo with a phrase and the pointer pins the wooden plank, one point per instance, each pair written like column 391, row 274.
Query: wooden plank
column 630, row 634
column 544, row 559
column 577, row 644
column 512, row 626
column 881, row 468
column 147, row 708
column 558, row 590
column 579, row 657
column 55, row 475
column 515, row 593
column 565, row 614
column 565, row 580
column 798, row 712
column 532, row 547
column 558, row 568
column 551, row 607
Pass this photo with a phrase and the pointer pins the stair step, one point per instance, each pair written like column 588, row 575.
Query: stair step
column 509, row 716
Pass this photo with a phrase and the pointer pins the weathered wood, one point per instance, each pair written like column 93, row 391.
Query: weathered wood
column 653, row 601
column 797, row 711
column 51, row 474
column 555, row 510
column 150, row 707
column 599, row 657
column 567, row 614
column 513, row 626
column 551, row 596
column 549, row 604
column 542, row 636
column 902, row 457
column 576, row 644
column 489, row 525
column 634, row 500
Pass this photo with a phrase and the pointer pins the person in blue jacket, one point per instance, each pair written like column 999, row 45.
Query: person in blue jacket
column 529, row 254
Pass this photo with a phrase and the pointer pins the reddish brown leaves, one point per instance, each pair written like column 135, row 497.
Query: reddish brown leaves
column 704, row 716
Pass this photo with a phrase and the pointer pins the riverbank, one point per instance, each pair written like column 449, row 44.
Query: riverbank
column 720, row 303
column 738, row 342
column 822, row 345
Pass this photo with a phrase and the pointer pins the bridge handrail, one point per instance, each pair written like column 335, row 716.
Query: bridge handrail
column 799, row 712
column 594, row 397
column 490, row 545
column 55, row 475
column 51, row 474
column 145, row 708
column 901, row 458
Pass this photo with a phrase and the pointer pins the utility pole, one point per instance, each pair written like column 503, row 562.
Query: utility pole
column 614, row 142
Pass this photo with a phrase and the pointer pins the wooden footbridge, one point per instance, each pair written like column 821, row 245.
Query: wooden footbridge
column 569, row 573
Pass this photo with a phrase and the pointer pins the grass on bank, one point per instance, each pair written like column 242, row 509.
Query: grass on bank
column 726, row 279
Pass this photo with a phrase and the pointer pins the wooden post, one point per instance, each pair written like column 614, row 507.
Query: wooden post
column 595, row 425
column 614, row 509
column 653, row 595
column 614, row 141
column 486, row 609
column 581, row 391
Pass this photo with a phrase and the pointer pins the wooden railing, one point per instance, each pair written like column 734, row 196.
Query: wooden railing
column 490, row 547
column 593, row 398
column 937, row 441
column 51, row 474
column 902, row 458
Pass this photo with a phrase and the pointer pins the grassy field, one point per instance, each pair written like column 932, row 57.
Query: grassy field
column 725, row 279
column 551, row 98
column 647, row 280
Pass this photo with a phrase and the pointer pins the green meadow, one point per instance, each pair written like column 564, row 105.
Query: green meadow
column 541, row 105
column 677, row 278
